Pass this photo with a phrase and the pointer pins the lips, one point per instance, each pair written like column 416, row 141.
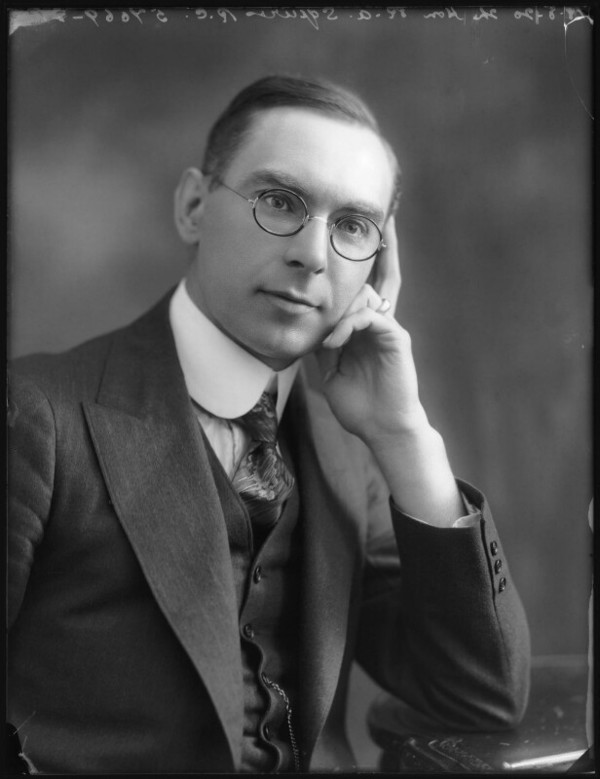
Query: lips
column 292, row 296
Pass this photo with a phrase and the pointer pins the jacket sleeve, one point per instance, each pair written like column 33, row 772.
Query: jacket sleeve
column 31, row 457
column 442, row 626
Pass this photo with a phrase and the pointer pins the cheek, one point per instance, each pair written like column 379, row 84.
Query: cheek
column 223, row 234
column 225, row 261
column 347, row 282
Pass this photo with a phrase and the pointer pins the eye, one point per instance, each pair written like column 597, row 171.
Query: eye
column 278, row 201
column 354, row 227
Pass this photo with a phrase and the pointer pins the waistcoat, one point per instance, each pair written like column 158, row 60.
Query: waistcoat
column 266, row 574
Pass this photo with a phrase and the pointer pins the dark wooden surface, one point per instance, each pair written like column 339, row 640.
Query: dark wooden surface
column 554, row 724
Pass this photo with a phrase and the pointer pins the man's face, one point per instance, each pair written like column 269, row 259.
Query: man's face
column 278, row 297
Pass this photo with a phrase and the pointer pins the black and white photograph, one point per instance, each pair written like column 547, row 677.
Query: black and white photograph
column 299, row 414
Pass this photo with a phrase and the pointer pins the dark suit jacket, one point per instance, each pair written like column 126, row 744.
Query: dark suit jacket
column 124, row 651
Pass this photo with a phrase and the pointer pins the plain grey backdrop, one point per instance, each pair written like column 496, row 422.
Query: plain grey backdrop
column 490, row 119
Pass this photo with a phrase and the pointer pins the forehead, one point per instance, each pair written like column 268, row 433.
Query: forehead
column 331, row 158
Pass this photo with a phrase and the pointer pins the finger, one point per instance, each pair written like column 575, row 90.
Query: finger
column 384, row 307
column 366, row 297
column 387, row 278
column 359, row 320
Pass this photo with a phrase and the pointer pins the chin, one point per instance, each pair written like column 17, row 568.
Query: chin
column 279, row 355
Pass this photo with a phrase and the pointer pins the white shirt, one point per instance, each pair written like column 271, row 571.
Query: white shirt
column 222, row 377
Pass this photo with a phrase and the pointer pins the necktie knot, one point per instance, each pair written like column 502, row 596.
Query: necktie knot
column 261, row 421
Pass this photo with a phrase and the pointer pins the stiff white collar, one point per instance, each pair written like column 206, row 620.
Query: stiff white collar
column 221, row 376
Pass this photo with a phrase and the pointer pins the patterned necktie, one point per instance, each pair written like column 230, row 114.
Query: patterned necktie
column 262, row 480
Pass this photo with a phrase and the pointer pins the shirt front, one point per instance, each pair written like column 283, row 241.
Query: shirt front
column 223, row 379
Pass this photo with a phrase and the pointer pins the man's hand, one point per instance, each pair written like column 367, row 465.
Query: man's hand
column 369, row 376
column 370, row 381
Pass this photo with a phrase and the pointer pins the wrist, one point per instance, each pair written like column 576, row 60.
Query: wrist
column 416, row 448
column 405, row 431
column 418, row 474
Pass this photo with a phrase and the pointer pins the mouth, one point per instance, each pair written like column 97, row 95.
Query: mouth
column 290, row 300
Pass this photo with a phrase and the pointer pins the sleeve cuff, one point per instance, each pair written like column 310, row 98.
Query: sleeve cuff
column 469, row 519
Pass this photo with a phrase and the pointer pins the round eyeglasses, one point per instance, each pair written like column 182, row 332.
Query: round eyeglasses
column 282, row 212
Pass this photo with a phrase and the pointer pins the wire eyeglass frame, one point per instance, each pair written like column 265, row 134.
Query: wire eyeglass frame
column 253, row 201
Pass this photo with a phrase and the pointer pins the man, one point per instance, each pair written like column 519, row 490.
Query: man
column 188, row 588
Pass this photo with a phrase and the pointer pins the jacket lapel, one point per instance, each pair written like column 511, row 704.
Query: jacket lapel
column 331, row 501
column 156, row 469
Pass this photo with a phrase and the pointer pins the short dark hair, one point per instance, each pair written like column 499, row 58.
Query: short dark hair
column 229, row 131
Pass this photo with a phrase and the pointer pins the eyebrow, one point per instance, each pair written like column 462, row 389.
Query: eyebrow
column 270, row 177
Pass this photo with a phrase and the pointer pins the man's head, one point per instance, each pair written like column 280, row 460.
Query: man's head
column 279, row 296
column 234, row 124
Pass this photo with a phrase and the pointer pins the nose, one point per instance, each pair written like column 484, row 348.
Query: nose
column 309, row 249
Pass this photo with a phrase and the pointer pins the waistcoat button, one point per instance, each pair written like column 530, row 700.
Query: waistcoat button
column 257, row 574
column 248, row 630
column 267, row 732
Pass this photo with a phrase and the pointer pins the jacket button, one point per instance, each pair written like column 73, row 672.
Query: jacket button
column 494, row 547
column 267, row 732
column 248, row 630
column 502, row 584
column 497, row 566
column 257, row 576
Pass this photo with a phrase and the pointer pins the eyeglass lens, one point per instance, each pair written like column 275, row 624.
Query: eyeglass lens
column 281, row 212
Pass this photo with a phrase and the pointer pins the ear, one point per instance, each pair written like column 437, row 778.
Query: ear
column 190, row 197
